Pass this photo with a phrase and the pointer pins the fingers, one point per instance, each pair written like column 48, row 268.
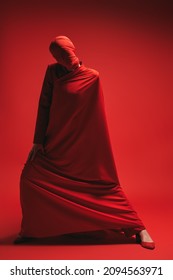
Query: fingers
column 33, row 155
column 34, row 151
column 29, row 156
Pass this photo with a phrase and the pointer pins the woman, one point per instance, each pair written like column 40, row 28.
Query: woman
column 69, row 183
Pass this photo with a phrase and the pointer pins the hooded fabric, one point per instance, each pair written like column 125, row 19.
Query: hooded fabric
column 73, row 187
column 63, row 50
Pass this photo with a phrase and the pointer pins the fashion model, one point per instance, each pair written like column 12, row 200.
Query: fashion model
column 69, row 183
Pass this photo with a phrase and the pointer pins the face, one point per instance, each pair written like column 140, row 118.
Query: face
column 55, row 53
column 63, row 55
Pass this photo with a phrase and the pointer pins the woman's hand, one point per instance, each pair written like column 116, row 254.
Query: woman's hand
column 34, row 150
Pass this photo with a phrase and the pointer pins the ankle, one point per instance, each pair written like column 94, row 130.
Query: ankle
column 144, row 236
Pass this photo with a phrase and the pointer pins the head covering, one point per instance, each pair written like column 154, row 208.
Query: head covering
column 63, row 50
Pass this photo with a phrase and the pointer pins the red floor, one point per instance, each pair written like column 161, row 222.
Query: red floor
column 156, row 215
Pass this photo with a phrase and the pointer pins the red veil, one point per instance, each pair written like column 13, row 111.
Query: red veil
column 73, row 186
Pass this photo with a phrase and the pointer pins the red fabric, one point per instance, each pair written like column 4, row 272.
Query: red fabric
column 74, row 186
column 63, row 50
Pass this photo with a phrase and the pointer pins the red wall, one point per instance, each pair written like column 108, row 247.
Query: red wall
column 130, row 43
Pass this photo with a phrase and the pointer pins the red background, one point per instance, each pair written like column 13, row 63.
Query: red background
column 130, row 43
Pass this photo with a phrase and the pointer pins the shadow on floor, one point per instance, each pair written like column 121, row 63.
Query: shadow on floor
column 87, row 238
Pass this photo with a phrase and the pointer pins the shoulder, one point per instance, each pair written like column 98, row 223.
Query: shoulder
column 54, row 67
column 92, row 73
column 57, row 70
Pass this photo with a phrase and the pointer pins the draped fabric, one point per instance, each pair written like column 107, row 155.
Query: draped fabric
column 73, row 186
column 63, row 50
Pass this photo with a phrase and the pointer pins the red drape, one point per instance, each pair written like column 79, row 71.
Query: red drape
column 74, row 186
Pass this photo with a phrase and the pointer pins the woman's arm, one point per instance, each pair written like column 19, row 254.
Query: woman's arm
column 42, row 115
column 43, row 108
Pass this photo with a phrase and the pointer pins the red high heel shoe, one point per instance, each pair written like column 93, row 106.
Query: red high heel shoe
column 147, row 245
